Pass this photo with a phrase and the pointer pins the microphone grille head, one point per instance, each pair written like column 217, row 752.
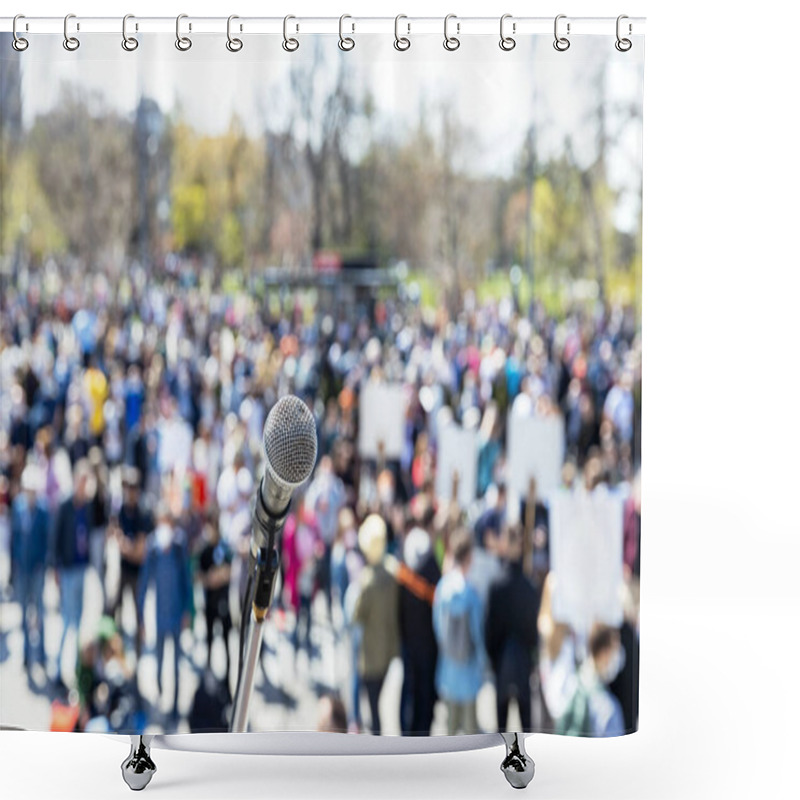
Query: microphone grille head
column 290, row 441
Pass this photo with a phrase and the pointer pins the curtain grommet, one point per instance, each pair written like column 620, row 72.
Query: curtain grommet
column 451, row 43
column 19, row 43
column 561, row 43
column 129, row 43
column 623, row 44
column 183, row 43
column 507, row 43
column 234, row 43
column 346, row 43
column 290, row 43
column 401, row 43
column 71, row 43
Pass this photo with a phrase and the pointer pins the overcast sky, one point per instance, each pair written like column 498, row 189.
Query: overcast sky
column 497, row 95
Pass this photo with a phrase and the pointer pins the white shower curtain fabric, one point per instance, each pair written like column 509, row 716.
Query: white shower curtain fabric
column 440, row 254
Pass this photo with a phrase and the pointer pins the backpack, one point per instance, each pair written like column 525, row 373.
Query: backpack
column 576, row 720
column 458, row 645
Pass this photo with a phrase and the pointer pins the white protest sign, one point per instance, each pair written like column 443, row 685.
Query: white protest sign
column 457, row 454
column 535, row 447
column 381, row 420
column 586, row 557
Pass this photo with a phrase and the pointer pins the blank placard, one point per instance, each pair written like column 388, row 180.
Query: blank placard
column 457, row 453
column 535, row 447
column 586, row 557
column 381, row 419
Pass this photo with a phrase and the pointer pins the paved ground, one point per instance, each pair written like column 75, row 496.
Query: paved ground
column 289, row 701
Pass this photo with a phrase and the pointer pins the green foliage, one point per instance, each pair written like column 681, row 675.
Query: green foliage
column 190, row 216
column 414, row 193
column 216, row 191
column 27, row 216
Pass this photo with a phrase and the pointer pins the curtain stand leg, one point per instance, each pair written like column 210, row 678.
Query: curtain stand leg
column 138, row 768
column 517, row 766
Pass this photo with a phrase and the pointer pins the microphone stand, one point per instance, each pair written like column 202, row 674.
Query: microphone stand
column 263, row 568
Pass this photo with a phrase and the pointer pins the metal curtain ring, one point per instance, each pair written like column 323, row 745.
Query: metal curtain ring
column 507, row 42
column 345, row 42
column 129, row 43
column 71, row 43
column 561, row 43
column 290, row 44
column 233, row 44
column 19, row 43
column 451, row 43
column 401, row 43
column 623, row 45
column 183, row 43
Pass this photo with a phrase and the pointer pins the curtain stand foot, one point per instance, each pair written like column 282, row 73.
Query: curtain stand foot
column 138, row 768
column 517, row 766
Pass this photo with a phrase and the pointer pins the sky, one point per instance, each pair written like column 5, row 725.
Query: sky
column 496, row 94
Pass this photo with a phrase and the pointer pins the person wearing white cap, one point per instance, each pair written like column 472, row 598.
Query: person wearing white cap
column 417, row 634
column 377, row 612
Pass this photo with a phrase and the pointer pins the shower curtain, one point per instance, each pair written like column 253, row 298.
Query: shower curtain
column 438, row 249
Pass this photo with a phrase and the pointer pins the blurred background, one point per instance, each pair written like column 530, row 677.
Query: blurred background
column 186, row 240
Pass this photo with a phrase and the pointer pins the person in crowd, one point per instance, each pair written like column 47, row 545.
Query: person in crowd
column 417, row 634
column 214, row 568
column 343, row 552
column 511, row 632
column 490, row 447
column 167, row 566
column 101, row 503
column 229, row 499
column 619, row 407
column 376, row 611
column 130, row 530
column 95, row 387
column 490, row 524
column 556, row 658
column 134, row 396
column 141, row 447
column 632, row 531
column 211, row 706
column 593, row 710
column 239, row 528
column 76, row 439
column 44, row 458
column 30, row 527
column 458, row 624
column 302, row 547
column 354, row 565
column 326, row 495
column 181, row 378
column 625, row 687
column 108, row 697
column 71, row 553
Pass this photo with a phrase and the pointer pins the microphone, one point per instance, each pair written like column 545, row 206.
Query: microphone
column 290, row 452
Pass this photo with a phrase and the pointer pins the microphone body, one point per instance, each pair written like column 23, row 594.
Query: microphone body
column 268, row 525
column 290, row 449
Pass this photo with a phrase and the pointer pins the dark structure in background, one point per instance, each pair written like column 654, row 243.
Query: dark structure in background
column 151, row 145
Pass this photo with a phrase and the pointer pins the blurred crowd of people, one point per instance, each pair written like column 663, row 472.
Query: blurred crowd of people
column 131, row 419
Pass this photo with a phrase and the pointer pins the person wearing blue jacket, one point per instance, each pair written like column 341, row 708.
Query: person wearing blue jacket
column 30, row 523
column 167, row 566
column 74, row 522
column 458, row 624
